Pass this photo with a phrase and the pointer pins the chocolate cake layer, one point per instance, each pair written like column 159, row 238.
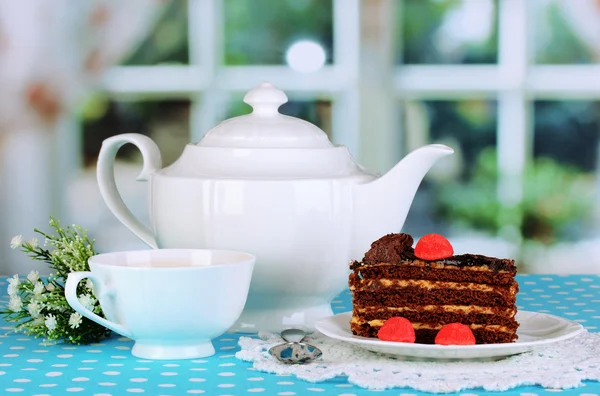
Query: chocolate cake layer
column 435, row 316
column 427, row 336
column 398, row 297
column 414, row 270
column 397, row 248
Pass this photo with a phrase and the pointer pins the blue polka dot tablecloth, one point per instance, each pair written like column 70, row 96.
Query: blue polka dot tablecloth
column 30, row 367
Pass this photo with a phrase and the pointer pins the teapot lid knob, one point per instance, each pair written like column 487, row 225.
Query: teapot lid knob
column 265, row 99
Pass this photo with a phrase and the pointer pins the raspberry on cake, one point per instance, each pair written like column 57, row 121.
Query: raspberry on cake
column 475, row 290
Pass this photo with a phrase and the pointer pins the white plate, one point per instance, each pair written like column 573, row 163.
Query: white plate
column 535, row 329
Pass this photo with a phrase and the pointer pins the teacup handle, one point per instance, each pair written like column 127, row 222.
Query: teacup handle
column 106, row 179
column 100, row 289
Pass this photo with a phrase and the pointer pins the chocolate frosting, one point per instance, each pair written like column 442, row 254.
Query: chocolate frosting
column 397, row 248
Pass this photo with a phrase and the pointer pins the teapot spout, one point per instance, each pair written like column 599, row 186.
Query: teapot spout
column 381, row 206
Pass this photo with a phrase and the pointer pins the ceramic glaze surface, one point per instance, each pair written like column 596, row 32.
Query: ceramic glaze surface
column 273, row 186
column 171, row 302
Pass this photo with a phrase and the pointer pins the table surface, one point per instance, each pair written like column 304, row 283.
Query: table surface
column 29, row 367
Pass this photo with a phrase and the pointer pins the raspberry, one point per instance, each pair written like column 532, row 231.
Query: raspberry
column 397, row 329
column 433, row 247
column 455, row 334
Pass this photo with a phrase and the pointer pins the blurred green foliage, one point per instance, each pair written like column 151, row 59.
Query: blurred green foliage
column 556, row 196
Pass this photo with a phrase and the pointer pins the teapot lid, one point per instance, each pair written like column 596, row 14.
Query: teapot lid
column 265, row 127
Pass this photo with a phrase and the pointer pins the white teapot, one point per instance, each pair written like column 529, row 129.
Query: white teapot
column 276, row 187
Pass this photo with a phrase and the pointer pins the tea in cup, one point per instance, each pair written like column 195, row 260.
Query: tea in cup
column 171, row 302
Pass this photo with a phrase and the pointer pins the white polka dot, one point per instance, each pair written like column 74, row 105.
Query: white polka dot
column 588, row 394
column 122, row 348
column 198, row 361
column 171, row 365
column 115, row 364
column 407, row 394
column 286, row 393
column 196, row 391
column 529, row 394
column 60, row 365
column 226, row 364
column 256, row 379
column 347, row 394
column 197, row 369
column 226, row 348
column 111, row 373
column 48, row 385
column 54, row 374
column 89, row 361
column 74, row 389
column 144, row 361
column 316, row 389
column 84, row 368
column 226, row 385
column 16, row 348
column 94, row 351
column 554, row 390
column 256, row 390
column 227, row 339
column 285, row 383
column 28, row 369
column 142, row 368
column 64, row 356
column 197, row 380
column 226, row 356
column 11, row 355
column 138, row 379
column 168, row 373
column 80, row 379
column 41, row 351
column 102, row 394
column 34, row 360
column 135, row 390
column 24, row 380
column 468, row 394
column 14, row 390
column 2, row 372
column 226, row 374
column 167, row 385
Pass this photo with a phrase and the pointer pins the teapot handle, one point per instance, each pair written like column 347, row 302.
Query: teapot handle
column 106, row 179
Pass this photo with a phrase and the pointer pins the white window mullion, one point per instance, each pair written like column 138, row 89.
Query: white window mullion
column 346, row 42
column 514, row 126
column 205, row 20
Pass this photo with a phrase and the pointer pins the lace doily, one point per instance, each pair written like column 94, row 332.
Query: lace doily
column 561, row 365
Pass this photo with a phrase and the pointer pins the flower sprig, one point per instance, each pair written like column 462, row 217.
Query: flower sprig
column 39, row 306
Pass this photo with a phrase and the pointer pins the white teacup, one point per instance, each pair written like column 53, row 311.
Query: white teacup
column 172, row 302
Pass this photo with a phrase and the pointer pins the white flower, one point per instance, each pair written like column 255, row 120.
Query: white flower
column 50, row 322
column 34, row 309
column 33, row 242
column 50, row 287
column 14, row 280
column 75, row 320
column 87, row 301
column 89, row 285
column 15, row 304
column 37, row 322
column 13, row 286
column 16, row 241
column 39, row 288
column 33, row 276
column 12, row 290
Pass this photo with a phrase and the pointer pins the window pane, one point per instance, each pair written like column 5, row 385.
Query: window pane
column 458, row 194
column 261, row 31
column 566, row 32
column 166, row 122
column 315, row 111
column 559, row 193
column 448, row 32
column 168, row 39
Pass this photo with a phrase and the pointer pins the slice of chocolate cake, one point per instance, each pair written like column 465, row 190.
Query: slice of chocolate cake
column 474, row 290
